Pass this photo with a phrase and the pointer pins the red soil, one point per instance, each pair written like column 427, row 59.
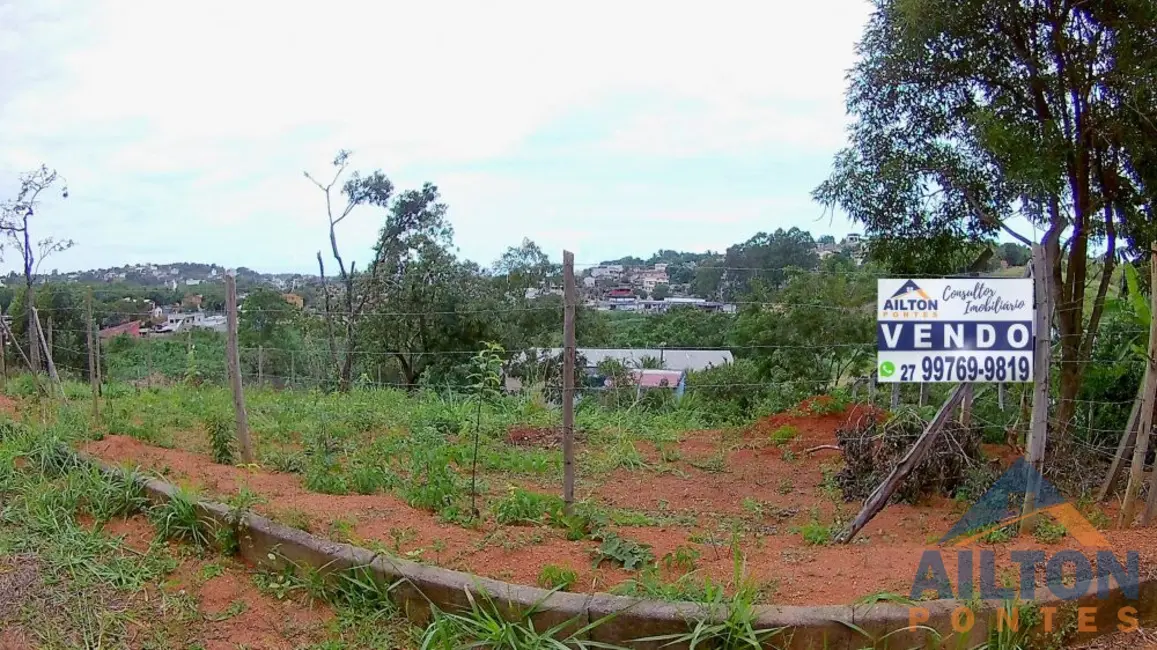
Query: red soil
column 781, row 494
column 232, row 611
column 533, row 436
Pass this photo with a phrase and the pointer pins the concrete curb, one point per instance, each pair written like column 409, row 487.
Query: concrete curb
column 626, row 621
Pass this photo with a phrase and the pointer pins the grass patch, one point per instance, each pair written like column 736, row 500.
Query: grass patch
column 784, row 435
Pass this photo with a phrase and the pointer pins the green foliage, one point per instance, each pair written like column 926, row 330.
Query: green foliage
column 553, row 576
column 626, row 552
column 485, row 625
column 738, row 630
column 1048, row 531
column 649, row 583
column 683, row 558
column 525, row 507
column 816, row 533
column 178, row 519
column 784, row 435
column 432, row 483
column 824, row 332
column 220, row 427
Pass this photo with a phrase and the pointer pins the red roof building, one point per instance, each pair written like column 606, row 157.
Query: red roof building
column 133, row 330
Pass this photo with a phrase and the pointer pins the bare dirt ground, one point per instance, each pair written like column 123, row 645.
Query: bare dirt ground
column 761, row 496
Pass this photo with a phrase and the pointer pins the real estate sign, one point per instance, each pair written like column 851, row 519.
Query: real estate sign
column 954, row 330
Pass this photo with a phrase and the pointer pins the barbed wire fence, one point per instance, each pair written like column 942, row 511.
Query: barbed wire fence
column 191, row 354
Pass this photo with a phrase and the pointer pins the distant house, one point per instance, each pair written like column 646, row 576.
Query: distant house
column 192, row 282
column 651, row 278
column 192, row 301
column 294, row 299
column 671, row 358
column 132, row 330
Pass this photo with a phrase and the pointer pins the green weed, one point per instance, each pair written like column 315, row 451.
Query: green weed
column 525, row 507
column 555, row 577
column 178, row 519
column 626, row 552
column 784, row 435
column 220, row 428
column 1048, row 531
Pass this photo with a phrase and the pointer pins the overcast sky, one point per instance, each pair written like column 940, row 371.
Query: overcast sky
column 609, row 128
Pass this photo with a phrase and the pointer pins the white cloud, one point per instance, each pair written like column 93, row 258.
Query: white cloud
column 234, row 99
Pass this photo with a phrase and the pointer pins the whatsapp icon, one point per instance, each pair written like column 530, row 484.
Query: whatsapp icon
column 887, row 369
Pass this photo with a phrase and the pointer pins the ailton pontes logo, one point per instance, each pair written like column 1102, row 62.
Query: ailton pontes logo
column 1069, row 574
column 910, row 297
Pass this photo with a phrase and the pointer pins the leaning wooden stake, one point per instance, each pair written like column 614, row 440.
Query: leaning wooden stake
column 92, row 353
column 24, row 357
column 1042, row 357
column 1145, row 420
column 47, row 353
column 1124, row 449
column 568, row 360
column 911, row 460
column 234, row 364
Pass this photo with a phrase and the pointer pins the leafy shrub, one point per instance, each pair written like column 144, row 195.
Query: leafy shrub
column 726, row 394
column 432, row 482
column 556, row 577
column 286, row 460
column 525, row 507
column 326, row 477
column 815, row 533
column 626, row 552
column 784, row 435
column 369, row 478
column 1049, row 531
column 220, row 428
column 683, row 558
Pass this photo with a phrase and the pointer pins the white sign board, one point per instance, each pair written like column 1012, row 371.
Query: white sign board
column 954, row 330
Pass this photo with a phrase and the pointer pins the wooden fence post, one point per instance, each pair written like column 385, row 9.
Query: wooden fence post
column 1124, row 448
column 872, row 387
column 234, row 367
column 923, row 393
column 1145, row 419
column 92, row 354
column 895, row 395
column 1042, row 352
column 568, row 371
column 1001, row 391
column 3, row 360
column 260, row 365
column 47, row 353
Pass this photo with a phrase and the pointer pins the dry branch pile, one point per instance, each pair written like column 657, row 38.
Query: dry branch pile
column 873, row 444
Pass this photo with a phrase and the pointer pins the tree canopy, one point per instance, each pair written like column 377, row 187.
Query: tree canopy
column 970, row 112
